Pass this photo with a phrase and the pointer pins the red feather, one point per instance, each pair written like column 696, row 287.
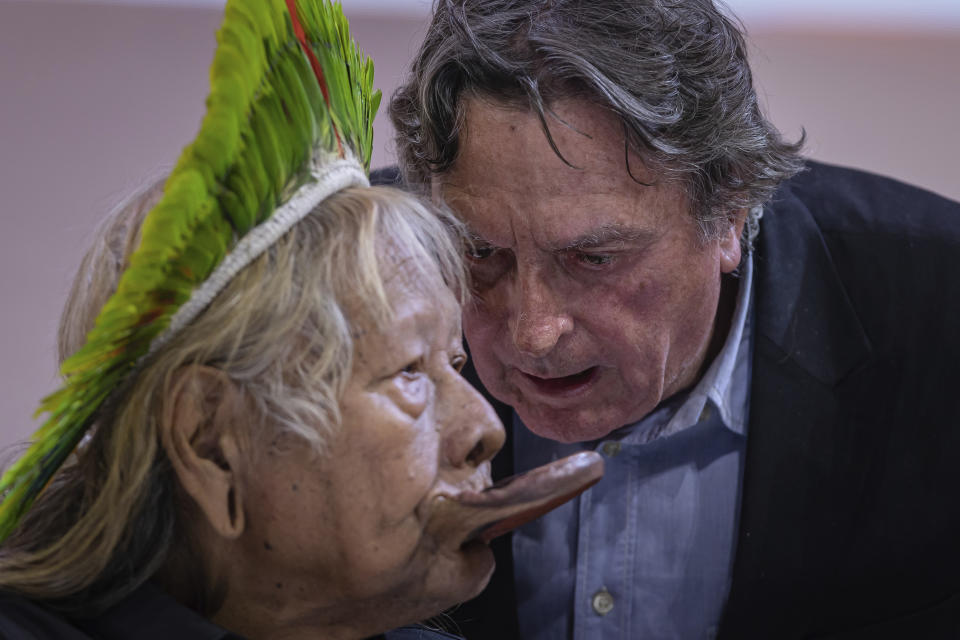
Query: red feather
column 317, row 69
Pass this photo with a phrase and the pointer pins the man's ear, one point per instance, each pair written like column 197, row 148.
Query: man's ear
column 730, row 241
column 199, row 433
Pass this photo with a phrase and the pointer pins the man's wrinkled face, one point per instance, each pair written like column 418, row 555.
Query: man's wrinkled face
column 594, row 295
column 356, row 527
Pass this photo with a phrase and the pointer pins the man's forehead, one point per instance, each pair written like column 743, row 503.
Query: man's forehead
column 571, row 134
column 504, row 149
column 508, row 183
column 530, row 181
column 564, row 220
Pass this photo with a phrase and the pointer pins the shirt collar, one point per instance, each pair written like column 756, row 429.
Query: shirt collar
column 725, row 385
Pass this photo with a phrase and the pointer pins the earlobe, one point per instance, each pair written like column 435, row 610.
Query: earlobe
column 198, row 433
column 730, row 251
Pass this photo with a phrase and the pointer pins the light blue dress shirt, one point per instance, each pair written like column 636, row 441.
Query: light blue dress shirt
column 647, row 553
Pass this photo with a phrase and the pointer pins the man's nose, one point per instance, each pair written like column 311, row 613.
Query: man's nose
column 473, row 432
column 539, row 318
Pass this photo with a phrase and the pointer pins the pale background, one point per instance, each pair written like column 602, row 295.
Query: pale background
column 95, row 96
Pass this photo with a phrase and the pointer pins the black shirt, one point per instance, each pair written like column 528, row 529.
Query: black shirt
column 147, row 614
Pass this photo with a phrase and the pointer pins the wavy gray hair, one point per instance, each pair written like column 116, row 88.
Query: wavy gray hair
column 676, row 73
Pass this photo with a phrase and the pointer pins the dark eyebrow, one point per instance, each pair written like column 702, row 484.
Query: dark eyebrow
column 610, row 234
column 602, row 236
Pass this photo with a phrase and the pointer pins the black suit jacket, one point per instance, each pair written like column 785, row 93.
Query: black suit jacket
column 850, row 511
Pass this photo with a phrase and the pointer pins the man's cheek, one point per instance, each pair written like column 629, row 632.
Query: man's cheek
column 479, row 330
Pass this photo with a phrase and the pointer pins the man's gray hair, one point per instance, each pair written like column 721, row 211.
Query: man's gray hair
column 675, row 72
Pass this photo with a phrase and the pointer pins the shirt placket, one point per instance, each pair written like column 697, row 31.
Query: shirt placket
column 603, row 593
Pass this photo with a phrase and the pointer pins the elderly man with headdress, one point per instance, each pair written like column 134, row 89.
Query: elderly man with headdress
column 263, row 430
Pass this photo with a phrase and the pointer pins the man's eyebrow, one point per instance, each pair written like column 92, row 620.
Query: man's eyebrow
column 477, row 240
column 602, row 236
column 610, row 234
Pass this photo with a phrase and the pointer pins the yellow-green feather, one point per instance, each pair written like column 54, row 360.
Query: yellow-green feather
column 266, row 118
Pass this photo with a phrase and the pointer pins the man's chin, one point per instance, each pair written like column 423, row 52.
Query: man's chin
column 478, row 566
column 564, row 425
column 452, row 578
column 462, row 577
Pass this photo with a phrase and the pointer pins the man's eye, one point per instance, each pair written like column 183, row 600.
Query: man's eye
column 487, row 266
column 593, row 259
column 480, row 252
column 458, row 362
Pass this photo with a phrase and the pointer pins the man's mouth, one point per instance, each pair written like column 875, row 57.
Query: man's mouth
column 482, row 516
column 563, row 385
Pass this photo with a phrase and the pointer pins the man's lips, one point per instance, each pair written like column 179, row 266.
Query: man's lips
column 561, row 385
column 482, row 516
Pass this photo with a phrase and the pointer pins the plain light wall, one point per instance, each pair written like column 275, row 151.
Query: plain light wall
column 94, row 98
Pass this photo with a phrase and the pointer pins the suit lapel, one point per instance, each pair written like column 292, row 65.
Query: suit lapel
column 793, row 515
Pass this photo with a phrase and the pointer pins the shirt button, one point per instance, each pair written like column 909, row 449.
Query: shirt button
column 610, row 449
column 602, row 602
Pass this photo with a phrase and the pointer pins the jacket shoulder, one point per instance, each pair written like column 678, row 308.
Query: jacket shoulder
column 891, row 245
column 844, row 200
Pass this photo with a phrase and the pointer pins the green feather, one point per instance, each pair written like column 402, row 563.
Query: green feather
column 266, row 119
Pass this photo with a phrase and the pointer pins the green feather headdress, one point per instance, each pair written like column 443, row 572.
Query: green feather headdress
column 288, row 123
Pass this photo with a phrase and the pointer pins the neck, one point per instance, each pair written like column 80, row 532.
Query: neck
column 260, row 620
column 262, row 602
column 251, row 601
column 726, row 305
